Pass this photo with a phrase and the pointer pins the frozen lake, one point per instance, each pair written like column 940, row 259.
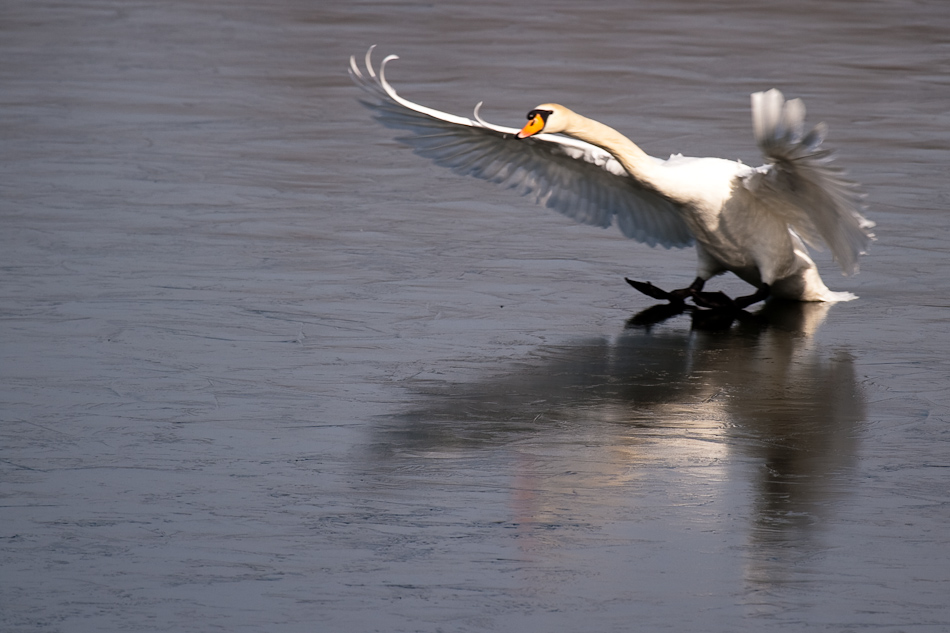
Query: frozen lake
column 265, row 369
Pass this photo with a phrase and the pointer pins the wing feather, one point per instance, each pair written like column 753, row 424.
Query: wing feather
column 801, row 184
column 577, row 179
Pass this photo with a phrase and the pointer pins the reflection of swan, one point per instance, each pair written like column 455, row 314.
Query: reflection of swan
column 749, row 221
column 641, row 372
column 762, row 392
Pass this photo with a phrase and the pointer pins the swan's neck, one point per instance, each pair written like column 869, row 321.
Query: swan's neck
column 637, row 162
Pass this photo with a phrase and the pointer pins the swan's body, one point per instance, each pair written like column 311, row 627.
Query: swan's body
column 753, row 222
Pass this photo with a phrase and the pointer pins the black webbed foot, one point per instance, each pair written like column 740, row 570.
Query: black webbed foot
column 721, row 301
column 675, row 296
column 715, row 301
column 709, row 300
column 652, row 291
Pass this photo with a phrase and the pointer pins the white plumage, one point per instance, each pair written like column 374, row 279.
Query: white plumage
column 753, row 222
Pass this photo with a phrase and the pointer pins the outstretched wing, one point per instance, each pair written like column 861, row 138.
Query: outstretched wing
column 575, row 178
column 801, row 184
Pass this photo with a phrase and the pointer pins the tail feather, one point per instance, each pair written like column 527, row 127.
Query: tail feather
column 802, row 185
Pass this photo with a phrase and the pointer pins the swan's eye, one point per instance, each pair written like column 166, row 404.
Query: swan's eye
column 544, row 114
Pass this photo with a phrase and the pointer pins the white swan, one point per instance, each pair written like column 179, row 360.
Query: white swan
column 753, row 222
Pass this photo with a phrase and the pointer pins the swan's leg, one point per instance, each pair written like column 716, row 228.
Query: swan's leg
column 720, row 301
column 759, row 295
column 674, row 296
column 690, row 290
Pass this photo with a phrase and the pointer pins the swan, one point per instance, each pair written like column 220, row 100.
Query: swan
column 752, row 221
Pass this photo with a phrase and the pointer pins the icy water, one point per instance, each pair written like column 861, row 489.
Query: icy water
column 264, row 369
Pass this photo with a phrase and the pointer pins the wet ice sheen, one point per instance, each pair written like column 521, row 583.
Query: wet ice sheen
column 264, row 369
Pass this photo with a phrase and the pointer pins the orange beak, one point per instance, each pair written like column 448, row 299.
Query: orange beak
column 535, row 124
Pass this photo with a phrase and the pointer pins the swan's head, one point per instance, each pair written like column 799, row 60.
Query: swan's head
column 547, row 117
